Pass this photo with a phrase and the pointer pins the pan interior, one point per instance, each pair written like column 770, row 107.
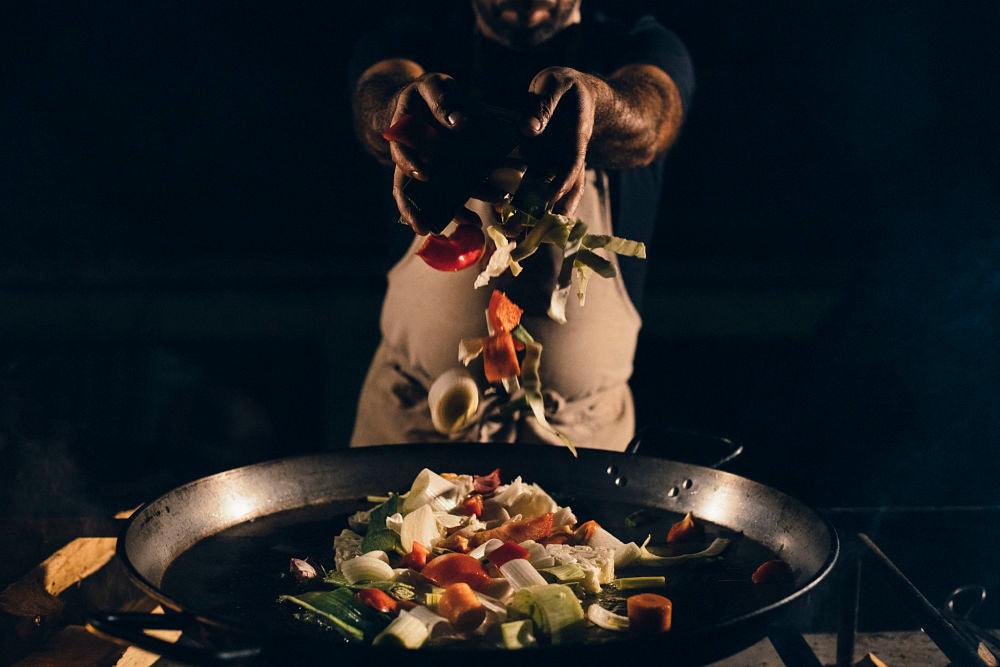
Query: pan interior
column 238, row 573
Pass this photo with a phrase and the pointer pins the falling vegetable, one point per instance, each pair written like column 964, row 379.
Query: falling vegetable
column 459, row 250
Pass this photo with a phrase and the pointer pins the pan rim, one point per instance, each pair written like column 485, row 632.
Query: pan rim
column 224, row 624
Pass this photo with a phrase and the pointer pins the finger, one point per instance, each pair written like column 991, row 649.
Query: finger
column 408, row 161
column 545, row 92
column 442, row 97
column 406, row 211
column 465, row 216
column 569, row 202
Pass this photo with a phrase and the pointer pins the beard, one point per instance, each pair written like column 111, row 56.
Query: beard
column 523, row 24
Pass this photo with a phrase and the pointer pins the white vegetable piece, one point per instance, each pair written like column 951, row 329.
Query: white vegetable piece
column 603, row 618
column 598, row 563
column 436, row 625
column 378, row 554
column 365, row 568
column 521, row 574
column 432, row 489
column 446, row 520
column 347, row 545
column 625, row 554
column 714, row 549
column 421, row 526
column 394, row 522
column 528, row 500
column 453, row 400
column 486, row 547
column 406, row 631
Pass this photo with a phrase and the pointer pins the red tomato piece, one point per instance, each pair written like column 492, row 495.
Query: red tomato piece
column 417, row 558
column 456, row 252
column 486, row 483
column 456, row 568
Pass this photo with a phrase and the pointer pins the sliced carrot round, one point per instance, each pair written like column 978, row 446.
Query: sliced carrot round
column 649, row 613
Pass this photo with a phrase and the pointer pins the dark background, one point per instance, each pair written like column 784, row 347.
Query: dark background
column 194, row 245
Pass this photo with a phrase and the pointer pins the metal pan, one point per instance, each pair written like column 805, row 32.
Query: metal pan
column 250, row 511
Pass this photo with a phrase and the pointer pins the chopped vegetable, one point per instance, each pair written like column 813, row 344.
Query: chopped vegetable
column 431, row 489
column 603, row 618
column 460, row 250
column 649, row 613
column 301, row 571
column 567, row 573
column 339, row 608
column 500, row 358
column 521, row 574
column 506, row 552
column 554, row 609
column 453, row 399
column 502, row 314
column 635, row 583
column 421, row 526
column 560, row 295
column 517, row 634
column 485, row 548
column 485, row 484
column 376, row 599
column 454, row 568
column 686, row 530
column 417, row 557
column 405, row 631
column 366, row 568
column 615, row 244
column 379, row 537
column 516, row 531
column 472, row 506
column 463, row 609
column 714, row 549
column 772, row 571
column 501, row 259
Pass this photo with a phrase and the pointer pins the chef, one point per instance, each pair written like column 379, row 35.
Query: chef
column 601, row 102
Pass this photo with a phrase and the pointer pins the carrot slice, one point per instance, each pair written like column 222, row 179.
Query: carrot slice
column 649, row 613
column 686, row 530
column 472, row 506
column 502, row 313
column 461, row 607
column 516, row 531
column 772, row 571
column 500, row 358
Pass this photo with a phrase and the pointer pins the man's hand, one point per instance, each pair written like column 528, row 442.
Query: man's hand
column 625, row 121
column 561, row 118
column 390, row 89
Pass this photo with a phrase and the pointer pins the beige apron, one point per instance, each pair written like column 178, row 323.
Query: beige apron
column 585, row 364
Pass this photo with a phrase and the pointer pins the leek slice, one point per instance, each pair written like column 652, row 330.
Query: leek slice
column 405, row 631
column 603, row 618
column 338, row 607
column 429, row 488
column 553, row 608
column 567, row 573
column 486, row 547
column 615, row 244
column 421, row 526
column 517, row 634
column 365, row 568
column 714, row 549
column 560, row 295
column 521, row 574
column 436, row 625
column 600, row 266
column 636, row 583
column 532, row 383
column 469, row 349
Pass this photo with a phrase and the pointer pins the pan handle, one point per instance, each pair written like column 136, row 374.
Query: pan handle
column 130, row 628
column 711, row 451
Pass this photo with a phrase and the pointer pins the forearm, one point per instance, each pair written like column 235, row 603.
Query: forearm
column 373, row 102
column 637, row 116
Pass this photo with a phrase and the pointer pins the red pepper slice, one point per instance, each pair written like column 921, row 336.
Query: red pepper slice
column 499, row 357
column 417, row 558
column 502, row 313
column 473, row 506
column 376, row 599
column 453, row 568
column 456, row 252
column 411, row 132
column 506, row 552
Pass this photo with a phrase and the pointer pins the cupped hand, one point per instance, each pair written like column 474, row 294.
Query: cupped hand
column 435, row 101
column 560, row 119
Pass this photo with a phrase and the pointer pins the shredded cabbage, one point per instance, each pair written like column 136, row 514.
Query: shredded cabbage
column 420, row 525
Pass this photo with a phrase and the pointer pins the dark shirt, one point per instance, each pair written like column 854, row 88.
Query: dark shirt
column 597, row 45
